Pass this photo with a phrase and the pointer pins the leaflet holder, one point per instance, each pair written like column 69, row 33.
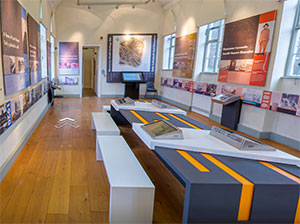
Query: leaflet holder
column 231, row 110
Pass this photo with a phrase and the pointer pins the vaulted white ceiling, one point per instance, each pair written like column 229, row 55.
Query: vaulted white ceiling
column 164, row 3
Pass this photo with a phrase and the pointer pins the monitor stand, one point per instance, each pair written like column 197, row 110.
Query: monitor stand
column 132, row 90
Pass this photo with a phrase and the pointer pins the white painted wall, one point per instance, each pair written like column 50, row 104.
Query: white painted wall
column 87, row 26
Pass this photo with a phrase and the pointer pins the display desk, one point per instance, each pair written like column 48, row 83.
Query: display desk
column 179, row 120
column 228, row 189
column 222, row 188
column 201, row 141
column 145, row 105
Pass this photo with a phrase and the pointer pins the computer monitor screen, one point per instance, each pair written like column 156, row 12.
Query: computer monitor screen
column 132, row 76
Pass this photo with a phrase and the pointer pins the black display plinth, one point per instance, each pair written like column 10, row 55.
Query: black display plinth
column 132, row 90
column 231, row 114
column 117, row 117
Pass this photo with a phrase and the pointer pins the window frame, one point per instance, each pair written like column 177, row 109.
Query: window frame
column 53, row 72
column 219, row 42
column 170, row 47
column 43, row 62
column 296, row 28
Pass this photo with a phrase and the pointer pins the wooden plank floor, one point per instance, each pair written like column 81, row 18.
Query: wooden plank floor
column 56, row 178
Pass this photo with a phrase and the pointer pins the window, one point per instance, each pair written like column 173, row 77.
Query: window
column 43, row 39
column 52, row 43
column 169, row 50
column 293, row 64
column 212, row 46
column 41, row 9
column 51, row 23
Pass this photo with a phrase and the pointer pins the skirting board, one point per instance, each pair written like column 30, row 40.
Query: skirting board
column 68, row 95
column 111, row 96
column 186, row 107
column 270, row 135
column 12, row 158
column 119, row 96
column 215, row 118
column 200, row 111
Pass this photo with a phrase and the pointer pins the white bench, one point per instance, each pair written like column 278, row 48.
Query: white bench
column 104, row 125
column 106, row 108
column 131, row 190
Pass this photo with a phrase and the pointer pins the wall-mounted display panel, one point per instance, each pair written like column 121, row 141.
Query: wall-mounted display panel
column 246, row 50
column 268, row 100
column 68, row 80
column 34, row 50
column 68, row 58
column 14, row 47
column 184, row 56
column 12, row 110
column 131, row 53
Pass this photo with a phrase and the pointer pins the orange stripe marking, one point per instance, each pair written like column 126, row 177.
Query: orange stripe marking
column 163, row 116
column 193, row 161
column 139, row 117
column 247, row 188
column 183, row 121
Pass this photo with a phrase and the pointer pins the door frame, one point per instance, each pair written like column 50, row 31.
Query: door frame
column 97, row 83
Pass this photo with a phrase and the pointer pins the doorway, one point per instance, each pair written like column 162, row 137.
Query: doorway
column 90, row 58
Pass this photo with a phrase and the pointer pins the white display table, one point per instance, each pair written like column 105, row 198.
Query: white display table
column 202, row 141
column 131, row 190
column 141, row 106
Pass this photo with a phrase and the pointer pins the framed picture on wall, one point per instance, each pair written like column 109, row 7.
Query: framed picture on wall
column 132, row 53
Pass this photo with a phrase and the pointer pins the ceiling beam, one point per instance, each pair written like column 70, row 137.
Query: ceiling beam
column 118, row 3
column 171, row 4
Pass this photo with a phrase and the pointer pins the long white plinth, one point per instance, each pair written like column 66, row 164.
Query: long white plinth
column 131, row 190
column 201, row 141
column 141, row 106
column 104, row 124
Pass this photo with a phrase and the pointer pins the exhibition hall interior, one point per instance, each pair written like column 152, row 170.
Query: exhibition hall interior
column 150, row 111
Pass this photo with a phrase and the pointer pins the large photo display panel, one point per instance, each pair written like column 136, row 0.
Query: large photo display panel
column 184, row 56
column 68, row 58
column 34, row 50
column 14, row 47
column 246, row 50
column 131, row 53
